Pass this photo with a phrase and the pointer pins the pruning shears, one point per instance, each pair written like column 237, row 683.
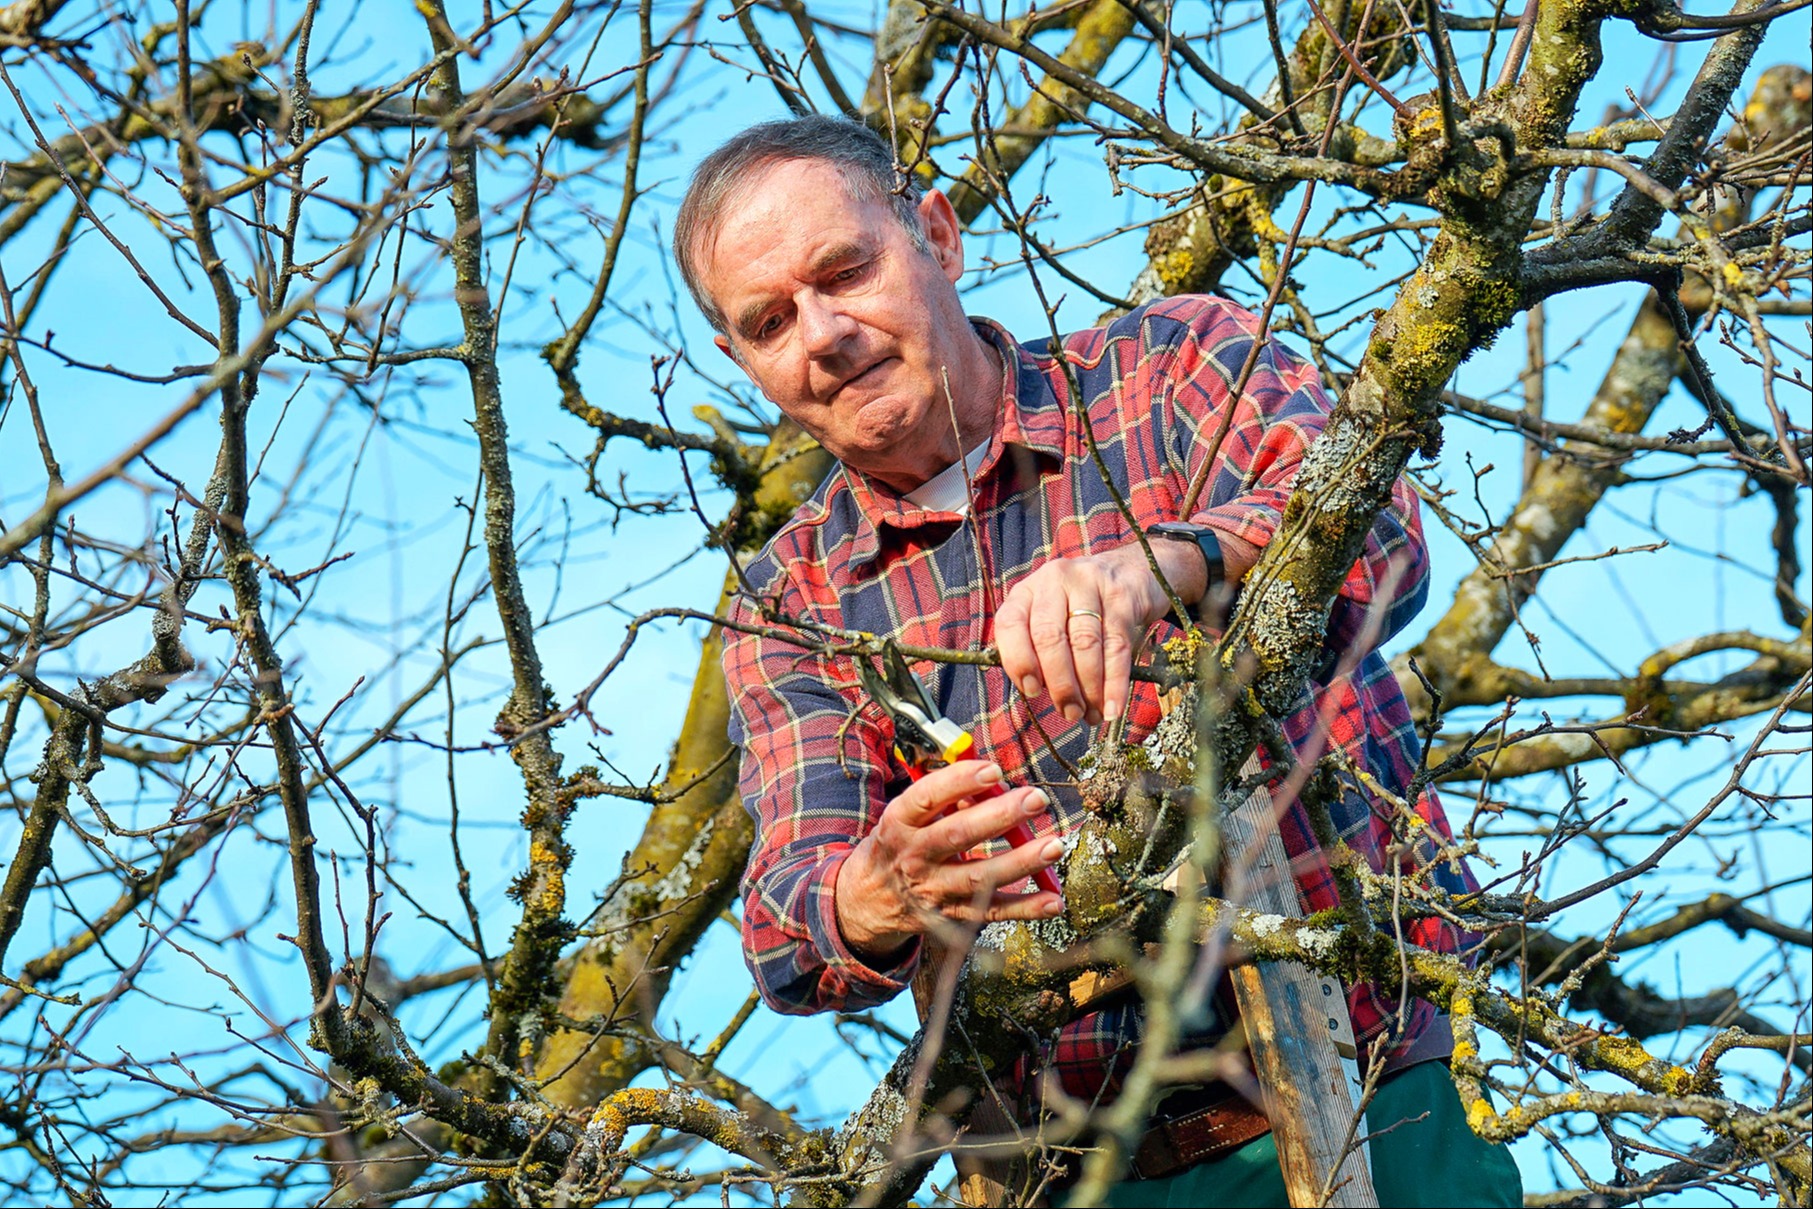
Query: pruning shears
column 925, row 739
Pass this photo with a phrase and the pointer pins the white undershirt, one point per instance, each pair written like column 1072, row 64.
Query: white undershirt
column 945, row 491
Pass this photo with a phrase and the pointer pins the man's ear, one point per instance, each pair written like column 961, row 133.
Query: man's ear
column 943, row 233
column 723, row 343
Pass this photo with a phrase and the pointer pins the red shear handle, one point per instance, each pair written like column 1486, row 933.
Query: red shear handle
column 1017, row 835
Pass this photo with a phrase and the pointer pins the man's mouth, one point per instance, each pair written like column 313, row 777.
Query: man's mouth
column 863, row 375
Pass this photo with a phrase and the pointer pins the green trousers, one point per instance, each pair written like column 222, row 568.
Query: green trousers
column 1437, row 1161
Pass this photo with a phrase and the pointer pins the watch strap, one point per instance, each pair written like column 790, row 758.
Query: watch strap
column 1215, row 596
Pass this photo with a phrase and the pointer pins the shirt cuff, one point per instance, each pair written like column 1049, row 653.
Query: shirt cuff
column 1252, row 523
column 848, row 976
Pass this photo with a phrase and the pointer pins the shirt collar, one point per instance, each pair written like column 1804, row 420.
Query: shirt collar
column 1031, row 415
column 1028, row 416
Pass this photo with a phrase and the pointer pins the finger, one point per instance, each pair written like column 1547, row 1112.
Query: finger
column 1027, row 859
column 1119, row 647
column 1013, row 640
column 980, row 822
column 1042, row 905
column 970, row 884
column 927, row 799
column 1086, row 621
column 991, row 907
column 1050, row 628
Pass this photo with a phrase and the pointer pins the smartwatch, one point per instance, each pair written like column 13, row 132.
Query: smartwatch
column 1216, row 595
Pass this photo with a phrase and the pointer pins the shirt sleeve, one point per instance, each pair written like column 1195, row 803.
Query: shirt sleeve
column 1252, row 466
column 814, row 776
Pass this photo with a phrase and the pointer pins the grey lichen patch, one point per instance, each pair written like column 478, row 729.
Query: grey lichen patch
column 1536, row 519
column 1286, row 631
column 1056, row 934
column 867, row 1138
column 1266, row 926
column 1483, row 607
column 1172, row 744
column 993, row 937
column 1338, row 475
column 677, row 882
column 1318, row 942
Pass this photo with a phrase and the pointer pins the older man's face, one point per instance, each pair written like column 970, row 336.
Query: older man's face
column 841, row 321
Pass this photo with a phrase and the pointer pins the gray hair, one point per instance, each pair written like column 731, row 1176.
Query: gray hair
column 862, row 158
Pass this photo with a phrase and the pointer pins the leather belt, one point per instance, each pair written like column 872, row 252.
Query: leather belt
column 1193, row 1126
column 1196, row 1124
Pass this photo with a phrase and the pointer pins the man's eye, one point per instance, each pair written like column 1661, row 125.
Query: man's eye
column 849, row 274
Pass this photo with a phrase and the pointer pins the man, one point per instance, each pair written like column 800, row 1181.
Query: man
column 968, row 511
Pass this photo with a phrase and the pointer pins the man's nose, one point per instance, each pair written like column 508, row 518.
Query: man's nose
column 824, row 325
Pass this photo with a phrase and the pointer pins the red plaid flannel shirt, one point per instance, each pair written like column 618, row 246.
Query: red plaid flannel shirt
column 818, row 764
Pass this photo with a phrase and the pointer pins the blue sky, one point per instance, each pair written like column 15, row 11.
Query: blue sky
column 388, row 473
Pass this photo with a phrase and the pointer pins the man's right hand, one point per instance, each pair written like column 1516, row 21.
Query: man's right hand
column 908, row 873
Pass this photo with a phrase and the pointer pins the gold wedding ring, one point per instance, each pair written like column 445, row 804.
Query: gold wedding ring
column 1086, row 613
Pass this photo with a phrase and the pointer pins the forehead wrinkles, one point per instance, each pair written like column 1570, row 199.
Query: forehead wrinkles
column 738, row 192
